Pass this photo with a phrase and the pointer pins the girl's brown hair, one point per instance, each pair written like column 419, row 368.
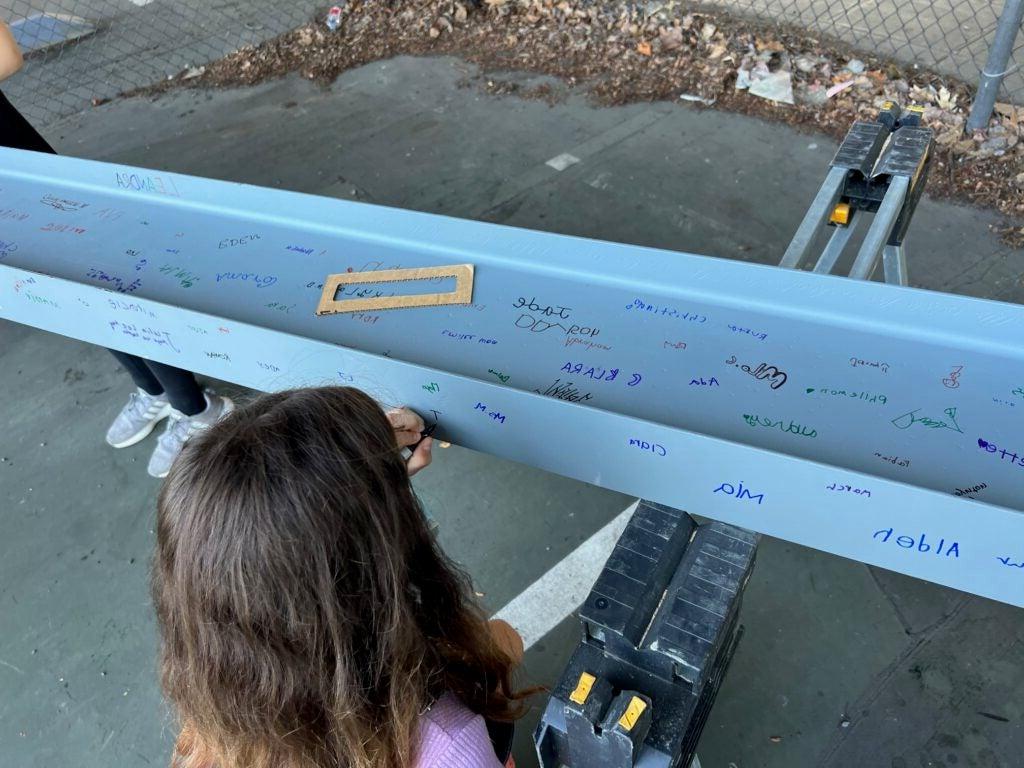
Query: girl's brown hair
column 308, row 617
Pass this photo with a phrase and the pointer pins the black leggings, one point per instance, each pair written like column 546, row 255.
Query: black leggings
column 157, row 378
column 16, row 132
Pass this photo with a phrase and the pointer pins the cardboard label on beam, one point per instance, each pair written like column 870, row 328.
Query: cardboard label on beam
column 463, row 293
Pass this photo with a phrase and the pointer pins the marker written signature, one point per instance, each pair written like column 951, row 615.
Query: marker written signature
column 792, row 428
column 763, row 371
column 909, row 419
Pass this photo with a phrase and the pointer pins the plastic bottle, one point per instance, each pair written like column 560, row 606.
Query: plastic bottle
column 334, row 18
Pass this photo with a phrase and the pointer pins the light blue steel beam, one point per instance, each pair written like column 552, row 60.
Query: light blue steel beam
column 850, row 412
column 923, row 533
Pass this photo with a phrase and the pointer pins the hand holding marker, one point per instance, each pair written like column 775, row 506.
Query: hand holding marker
column 412, row 433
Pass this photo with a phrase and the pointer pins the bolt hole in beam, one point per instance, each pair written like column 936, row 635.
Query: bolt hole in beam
column 874, row 421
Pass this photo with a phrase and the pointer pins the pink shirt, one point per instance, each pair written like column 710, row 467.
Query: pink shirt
column 453, row 736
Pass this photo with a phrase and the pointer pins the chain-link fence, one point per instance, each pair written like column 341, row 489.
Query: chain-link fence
column 79, row 51
column 948, row 37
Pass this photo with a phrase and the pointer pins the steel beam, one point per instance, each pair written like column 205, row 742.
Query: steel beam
column 854, row 417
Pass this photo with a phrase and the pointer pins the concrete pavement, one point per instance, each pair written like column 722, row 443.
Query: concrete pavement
column 842, row 666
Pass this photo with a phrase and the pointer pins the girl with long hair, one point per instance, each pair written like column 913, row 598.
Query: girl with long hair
column 309, row 618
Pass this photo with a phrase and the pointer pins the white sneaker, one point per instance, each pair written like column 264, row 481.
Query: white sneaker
column 181, row 427
column 137, row 418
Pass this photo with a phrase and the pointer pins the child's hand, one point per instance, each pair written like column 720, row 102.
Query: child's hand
column 409, row 429
column 10, row 55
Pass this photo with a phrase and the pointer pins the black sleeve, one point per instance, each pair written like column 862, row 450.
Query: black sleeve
column 16, row 132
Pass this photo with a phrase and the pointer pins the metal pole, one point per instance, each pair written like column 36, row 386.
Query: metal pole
column 816, row 216
column 894, row 260
column 881, row 228
column 995, row 68
column 836, row 246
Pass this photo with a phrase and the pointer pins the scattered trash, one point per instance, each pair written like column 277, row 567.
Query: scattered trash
column 807, row 64
column 997, row 145
column 695, row 97
column 815, row 94
column 562, row 161
column 839, row 88
column 844, row 722
column 777, row 86
column 752, row 69
column 774, row 739
column 334, row 18
column 621, row 53
column 863, row 82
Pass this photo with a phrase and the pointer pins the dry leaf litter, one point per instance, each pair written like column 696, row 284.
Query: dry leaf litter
column 659, row 51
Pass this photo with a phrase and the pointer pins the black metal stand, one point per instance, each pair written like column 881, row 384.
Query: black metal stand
column 659, row 630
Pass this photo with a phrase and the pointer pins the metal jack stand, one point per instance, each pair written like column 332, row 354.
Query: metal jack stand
column 659, row 630
column 661, row 624
column 880, row 168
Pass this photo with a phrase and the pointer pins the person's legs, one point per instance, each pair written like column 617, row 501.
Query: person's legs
column 145, row 407
column 180, row 387
column 148, row 405
column 163, row 390
column 192, row 410
column 140, row 373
